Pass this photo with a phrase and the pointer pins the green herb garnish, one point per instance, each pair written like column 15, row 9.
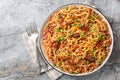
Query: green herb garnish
column 103, row 57
column 60, row 63
column 60, row 15
column 104, row 36
column 83, row 34
column 74, row 72
column 60, row 38
column 59, row 29
column 94, row 16
column 71, row 25
column 87, row 62
column 70, row 32
column 80, row 25
column 94, row 39
column 66, row 8
column 91, row 20
column 101, row 36
column 90, row 24
column 54, row 64
column 98, row 62
column 93, row 51
column 58, row 51
column 46, row 25
column 70, row 15
column 94, row 30
column 94, row 58
column 76, row 20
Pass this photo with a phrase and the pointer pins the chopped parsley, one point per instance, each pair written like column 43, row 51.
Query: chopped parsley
column 90, row 24
column 59, row 29
column 94, row 58
column 70, row 15
column 87, row 62
column 94, row 16
column 54, row 64
column 94, row 30
column 66, row 8
column 46, row 25
column 93, row 51
column 70, row 32
column 76, row 20
column 98, row 62
column 103, row 57
column 72, row 25
column 101, row 36
column 94, row 39
column 60, row 15
column 60, row 63
column 74, row 72
column 83, row 34
column 80, row 25
column 60, row 38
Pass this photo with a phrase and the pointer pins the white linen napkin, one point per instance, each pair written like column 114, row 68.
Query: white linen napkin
column 53, row 74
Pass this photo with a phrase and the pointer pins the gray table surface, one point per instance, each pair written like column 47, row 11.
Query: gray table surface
column 15, row 15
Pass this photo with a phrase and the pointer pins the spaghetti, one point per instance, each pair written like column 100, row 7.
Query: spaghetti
column 76, row 39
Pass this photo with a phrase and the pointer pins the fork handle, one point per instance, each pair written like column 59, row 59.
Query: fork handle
column 39, row 66
column 44, row 63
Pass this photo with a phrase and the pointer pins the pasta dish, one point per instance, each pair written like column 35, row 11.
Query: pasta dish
column 76, row 39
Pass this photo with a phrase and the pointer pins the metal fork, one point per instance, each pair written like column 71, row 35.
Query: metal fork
column 33, row 34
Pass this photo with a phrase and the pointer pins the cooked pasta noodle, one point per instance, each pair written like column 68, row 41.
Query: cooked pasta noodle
column 76, row 39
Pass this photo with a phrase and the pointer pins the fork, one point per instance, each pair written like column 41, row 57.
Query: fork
column 44, row 65
column 33, row 36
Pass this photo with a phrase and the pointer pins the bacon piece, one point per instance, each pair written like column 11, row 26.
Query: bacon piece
column 53, row 24
column 98, row 43
column 50, row 18
column 62, row 45
column 109, row 42
column 50, row 27
column 55, row 45
column 89, row 58
column 85, row 27
column 44, row 36
column 74, row 16
column 76, row 35
column 63, row 24
column 69, row 22
column 106, row 32
column 89, row 10
column 60, row 20
column 75, row 47
column 63, row 58
column 73, row 60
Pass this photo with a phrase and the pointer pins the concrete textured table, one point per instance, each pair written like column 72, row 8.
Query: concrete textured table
column 15, row 15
